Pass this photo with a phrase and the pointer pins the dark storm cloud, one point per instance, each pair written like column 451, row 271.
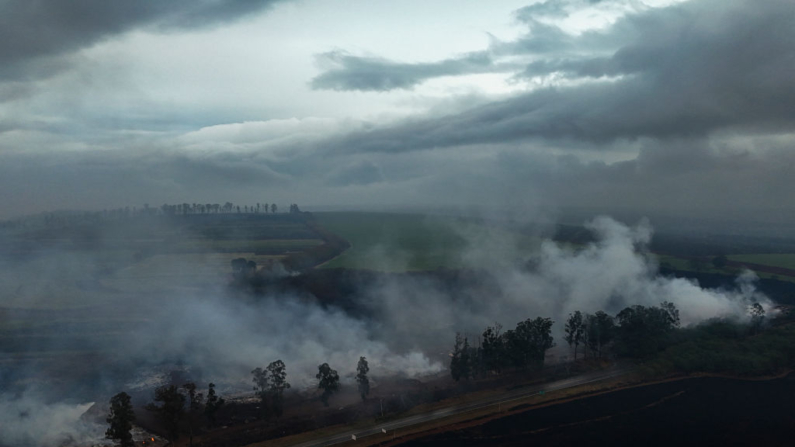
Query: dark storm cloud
column 377, row 74
column 686, row 70
column 34, row 33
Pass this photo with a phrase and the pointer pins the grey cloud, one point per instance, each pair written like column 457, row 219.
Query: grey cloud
column 33, row 32
column 377, row 74
column 368, row 73
column 551, row 9
column 363, row 173
column 365, row 73
column 688, row 70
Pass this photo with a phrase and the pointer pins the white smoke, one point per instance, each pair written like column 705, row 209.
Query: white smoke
column 29, row 421
column 614, row 272
column 412, row 318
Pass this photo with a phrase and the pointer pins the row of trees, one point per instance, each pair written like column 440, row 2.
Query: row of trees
column 523, row 347
column 270, row 383
column 216, row 208
column 179, row 209
column 185, row 410
column 637, row 331
column 593, row 331
column 179, row 409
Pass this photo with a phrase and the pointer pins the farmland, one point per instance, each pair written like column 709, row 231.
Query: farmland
column 412, row 242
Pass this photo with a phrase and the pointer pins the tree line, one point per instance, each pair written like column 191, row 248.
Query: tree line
column 179, row 209
column 183, row 410
column 178, row 408
column 636, row 331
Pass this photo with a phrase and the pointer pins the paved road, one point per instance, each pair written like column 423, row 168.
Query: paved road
column 508, row 397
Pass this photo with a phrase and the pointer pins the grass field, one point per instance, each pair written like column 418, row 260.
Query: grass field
column 265, row 246
column 411, row 242
column 686, row 265
column 783, row 260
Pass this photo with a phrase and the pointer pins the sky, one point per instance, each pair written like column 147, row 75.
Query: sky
column 653, row 107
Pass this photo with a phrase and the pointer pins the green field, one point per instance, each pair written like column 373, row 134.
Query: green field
column 412, row 242
column 783, row 260
column 773, row 260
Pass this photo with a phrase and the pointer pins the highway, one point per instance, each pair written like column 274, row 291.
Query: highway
column 506, row 398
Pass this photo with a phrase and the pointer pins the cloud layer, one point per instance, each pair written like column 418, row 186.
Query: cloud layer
column 656, row 108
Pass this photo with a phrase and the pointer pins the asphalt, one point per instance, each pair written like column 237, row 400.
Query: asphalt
column 392, row 426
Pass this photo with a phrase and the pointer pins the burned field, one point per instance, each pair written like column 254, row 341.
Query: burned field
column 699, row 411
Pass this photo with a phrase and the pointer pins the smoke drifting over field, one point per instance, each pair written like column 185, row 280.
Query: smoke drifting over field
column 28, row 421
column 404, row 323
column 610, row 274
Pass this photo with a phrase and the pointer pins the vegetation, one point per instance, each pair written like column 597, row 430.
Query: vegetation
column 170, row 411
column 412, row 242
column 194, row 410
column 361, row 378
column 783, row 260
column 523, row 347
column 599, row 332
column 214, row 403
column 575, row 331
column 724, row 346
column 120, row 419
column 329, row 382
column 278, row 383
column 644, row 331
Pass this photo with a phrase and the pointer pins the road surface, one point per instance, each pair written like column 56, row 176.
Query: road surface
column 497, row 401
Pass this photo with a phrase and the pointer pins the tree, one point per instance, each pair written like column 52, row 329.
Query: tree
column 456, row 369
column 195, row 401
column 493, row 348
column 528, row 343
column 170, row 411
column 466, row 360
column 575, row 330
column 757, row 313
column 261, row 382
column 329, row 382
column 278, row 383
column 214, row 403
column 120, row 419
column 671, row 313
column 273, row 208
column 642, row 331
column 599, row 331
column 361, row 378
